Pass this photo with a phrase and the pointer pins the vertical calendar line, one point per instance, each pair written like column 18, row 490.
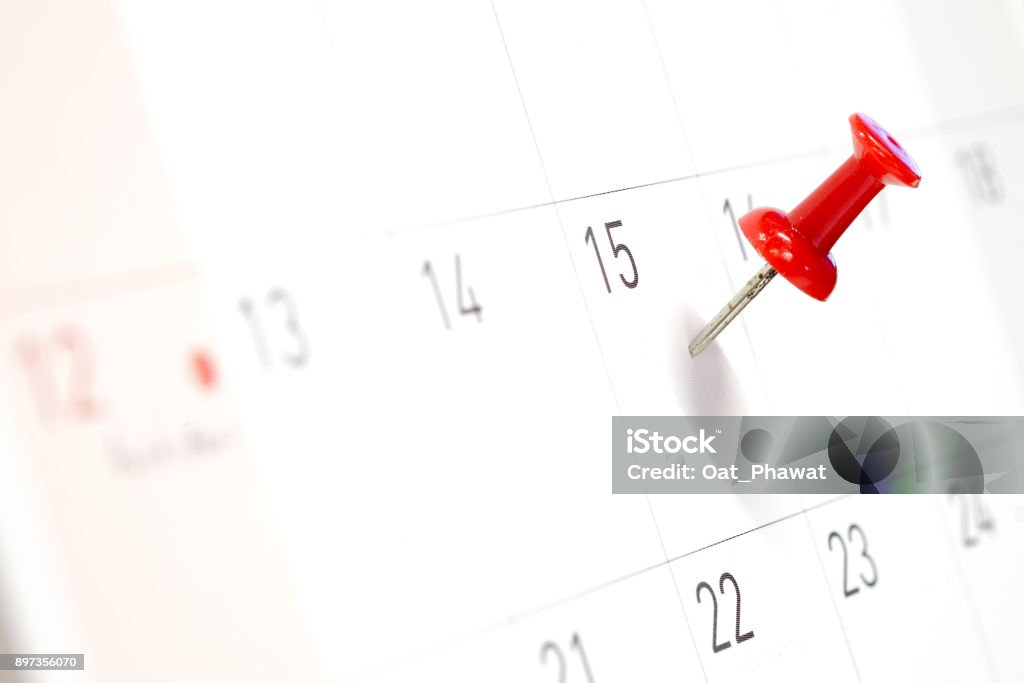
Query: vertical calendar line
column 966, row 587
column 590, row 319
column 704, row 197
column 675, row 586
column 828, row 584
column 551, row 195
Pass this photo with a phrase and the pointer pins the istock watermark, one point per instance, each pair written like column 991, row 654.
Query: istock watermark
column 818, row 454
column 645, row 440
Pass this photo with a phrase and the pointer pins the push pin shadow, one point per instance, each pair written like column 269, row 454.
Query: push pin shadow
column 796, row 245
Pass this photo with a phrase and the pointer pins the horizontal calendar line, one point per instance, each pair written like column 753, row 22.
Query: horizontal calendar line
column 739, row 535
column 987, row 119
column 25, row 300
column 758, row 528
column 32, row 298
column 641, row 186
column 607, row 584
column 528, row 614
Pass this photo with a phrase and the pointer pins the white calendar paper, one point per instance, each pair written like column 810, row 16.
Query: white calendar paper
column 313, row 316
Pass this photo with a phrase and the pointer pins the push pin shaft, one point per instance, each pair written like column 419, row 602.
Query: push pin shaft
column 796, row 245
column 732, row 309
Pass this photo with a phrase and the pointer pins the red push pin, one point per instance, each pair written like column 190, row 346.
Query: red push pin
column 796, row 245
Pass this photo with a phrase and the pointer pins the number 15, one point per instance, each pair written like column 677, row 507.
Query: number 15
column 617, row 249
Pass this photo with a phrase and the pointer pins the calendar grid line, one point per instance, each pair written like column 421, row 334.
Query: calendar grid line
column 675, row 586
column 551, row 193
column 336, row 416
column 677, row 110
column 16, row 301
column 517, row 617
column 394, row 232
column 586, row 307
column 832, row 599
column 590, row 318
column 1010, row 116
column 971, row 603
column 760, row 527
column 611, row 582
column 115, row 284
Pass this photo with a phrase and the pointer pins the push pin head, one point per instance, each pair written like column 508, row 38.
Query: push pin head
column 796, row 245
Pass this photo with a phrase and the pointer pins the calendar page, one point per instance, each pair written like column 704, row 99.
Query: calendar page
column 315, row 315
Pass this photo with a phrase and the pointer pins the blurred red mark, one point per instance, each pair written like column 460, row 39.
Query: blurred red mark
column 204, row 368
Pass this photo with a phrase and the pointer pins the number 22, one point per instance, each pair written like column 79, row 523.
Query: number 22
column 740, row 637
